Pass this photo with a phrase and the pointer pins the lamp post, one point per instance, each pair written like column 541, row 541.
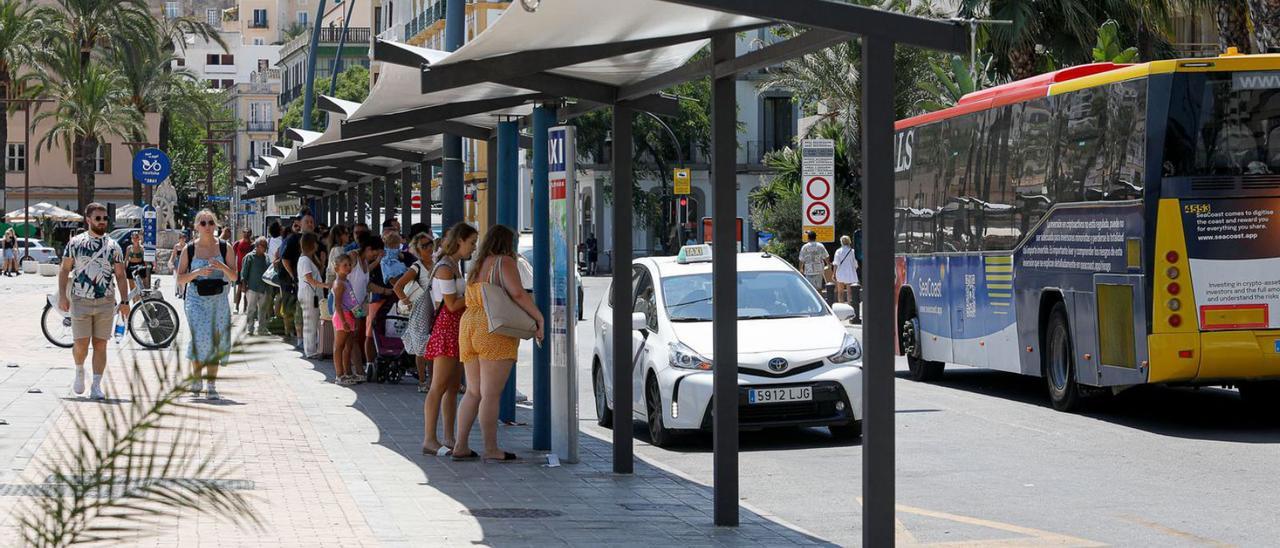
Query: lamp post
column 26, row 167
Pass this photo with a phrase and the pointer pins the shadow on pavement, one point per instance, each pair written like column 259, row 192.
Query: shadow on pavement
column 769, row 439
column 530, row 503
column 1206, row 413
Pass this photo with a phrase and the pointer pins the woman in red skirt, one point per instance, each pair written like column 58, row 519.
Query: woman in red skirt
column 447, row 289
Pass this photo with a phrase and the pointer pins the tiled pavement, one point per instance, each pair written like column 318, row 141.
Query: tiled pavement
column 339, row 466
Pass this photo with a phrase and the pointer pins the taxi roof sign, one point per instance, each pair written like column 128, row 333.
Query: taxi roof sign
column 700, row 253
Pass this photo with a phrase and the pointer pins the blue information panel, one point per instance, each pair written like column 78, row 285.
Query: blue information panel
column 149, row 233
column 151, row 166
column 216, row 198
column 564, row 270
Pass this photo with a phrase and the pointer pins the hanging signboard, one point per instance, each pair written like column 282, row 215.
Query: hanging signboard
column 151, row 166
column 818, row 175
column 564, row 272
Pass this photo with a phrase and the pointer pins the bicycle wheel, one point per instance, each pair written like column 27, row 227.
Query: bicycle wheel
column 153, row 323
column 56, row 327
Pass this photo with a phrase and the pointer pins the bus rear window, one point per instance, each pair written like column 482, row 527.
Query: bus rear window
column 1223, row 124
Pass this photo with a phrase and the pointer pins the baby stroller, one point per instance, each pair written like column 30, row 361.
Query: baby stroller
column 390, row 361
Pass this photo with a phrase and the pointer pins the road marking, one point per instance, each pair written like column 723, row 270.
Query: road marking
column 1033, row 537
column 1184, row 535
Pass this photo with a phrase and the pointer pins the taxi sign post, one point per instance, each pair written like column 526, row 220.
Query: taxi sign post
column 818, row 174
column 680, row 178
column 560, row 401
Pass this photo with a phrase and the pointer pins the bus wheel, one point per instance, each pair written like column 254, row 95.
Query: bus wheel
column 1261, row 396
column 1059, row 362
column 918, row 369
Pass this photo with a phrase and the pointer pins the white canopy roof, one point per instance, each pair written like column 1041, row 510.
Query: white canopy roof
column 42, row 210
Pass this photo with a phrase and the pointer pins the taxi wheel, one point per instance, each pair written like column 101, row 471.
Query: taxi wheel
column 1060, row 363
column 658, row 433
column 604, row 415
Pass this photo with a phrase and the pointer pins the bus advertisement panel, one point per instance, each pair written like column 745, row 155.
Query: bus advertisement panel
column 1231, row 246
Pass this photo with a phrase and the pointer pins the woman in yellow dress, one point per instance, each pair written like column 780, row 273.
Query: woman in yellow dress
column 487, row 357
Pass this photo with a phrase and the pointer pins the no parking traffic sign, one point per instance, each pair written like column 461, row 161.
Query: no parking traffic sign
column 817, row 170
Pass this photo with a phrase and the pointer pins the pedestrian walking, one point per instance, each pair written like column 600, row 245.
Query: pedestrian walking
column 310, row 289
column 448, row 289
column 488, row 357
column 205, row 269
column 135, row 261
column 10, row 253
column 814, row 260
column 243, row 247
column 846, row 266
column 92, row 265
column 345, row 307
column 258, row 304
column 593, row 254
column 420, row 303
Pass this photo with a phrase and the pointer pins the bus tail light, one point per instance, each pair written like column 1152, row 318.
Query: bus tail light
column 1171, row 256
column 1172, row 273
column 1175, row 320
column 1174, row 304
column 1173, row 288
column 1184, row 354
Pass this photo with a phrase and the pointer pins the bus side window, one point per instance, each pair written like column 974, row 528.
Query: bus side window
column 1036, row 122
column 1080, row 146
column 1126, row 143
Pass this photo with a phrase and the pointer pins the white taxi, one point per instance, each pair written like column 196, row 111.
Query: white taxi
column 797, row 364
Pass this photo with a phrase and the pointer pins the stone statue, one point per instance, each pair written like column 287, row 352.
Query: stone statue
column 164, row 198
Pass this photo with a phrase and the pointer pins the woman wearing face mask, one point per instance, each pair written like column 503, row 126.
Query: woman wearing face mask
column 204, row 269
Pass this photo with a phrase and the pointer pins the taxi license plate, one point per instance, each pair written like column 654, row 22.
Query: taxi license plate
column 779, row 395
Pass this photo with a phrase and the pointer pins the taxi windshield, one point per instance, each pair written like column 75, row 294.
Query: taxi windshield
column 761, row 295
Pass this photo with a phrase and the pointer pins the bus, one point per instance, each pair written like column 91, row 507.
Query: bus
column 1101, row 226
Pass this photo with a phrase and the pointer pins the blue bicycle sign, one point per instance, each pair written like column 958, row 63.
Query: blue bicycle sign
column 151, row 166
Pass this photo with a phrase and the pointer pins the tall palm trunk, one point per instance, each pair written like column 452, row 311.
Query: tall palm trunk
column 1022, row 61
column 1265, row 15
column 1233, row 26
column 164, row 130
column 88, row 148
column 5, row 82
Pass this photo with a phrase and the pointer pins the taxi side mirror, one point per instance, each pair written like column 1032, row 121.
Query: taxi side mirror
column 639, row 322
column 844, row 312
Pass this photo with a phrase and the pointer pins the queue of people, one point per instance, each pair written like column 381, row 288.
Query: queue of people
column 328, row 286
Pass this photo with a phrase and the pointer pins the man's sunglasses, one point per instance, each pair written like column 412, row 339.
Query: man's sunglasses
column 100, row 218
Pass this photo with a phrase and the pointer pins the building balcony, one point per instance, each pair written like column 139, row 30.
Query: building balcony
column 260, row 125
column 428, row 17
column 259, row 25
column 220, row 69
column 329, row 36
column 1197, row 49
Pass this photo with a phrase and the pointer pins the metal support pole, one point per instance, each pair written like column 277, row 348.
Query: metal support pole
column 543, row 117
column 451, row 191
column 424, row 191
column 26, row 185
column 362, row 200
column 389, row 198
column 878, row 307
column 375, row 207
column 724, row 290
column 312, row 53
column 406, row 206
column 491, row 182
column 508, row 174
column 342, row 42
column 623, row 354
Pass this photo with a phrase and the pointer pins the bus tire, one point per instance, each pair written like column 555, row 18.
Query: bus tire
column 1058, row 362
column 918, row 368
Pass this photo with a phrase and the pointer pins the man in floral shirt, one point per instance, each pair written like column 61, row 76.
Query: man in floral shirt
column 91, row 266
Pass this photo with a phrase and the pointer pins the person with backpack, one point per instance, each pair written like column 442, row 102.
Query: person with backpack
column 447, row 288
column 204, row 269
column 421, row 308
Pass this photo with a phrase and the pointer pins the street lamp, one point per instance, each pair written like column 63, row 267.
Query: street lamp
column 26, row 168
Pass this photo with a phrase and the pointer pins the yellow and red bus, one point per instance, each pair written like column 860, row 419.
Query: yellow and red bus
column 1101, row 226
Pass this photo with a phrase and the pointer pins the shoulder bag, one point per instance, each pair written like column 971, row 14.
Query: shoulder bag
column 504, row 315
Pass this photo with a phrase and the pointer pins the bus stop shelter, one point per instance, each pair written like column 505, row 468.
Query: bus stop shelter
column 544, row 52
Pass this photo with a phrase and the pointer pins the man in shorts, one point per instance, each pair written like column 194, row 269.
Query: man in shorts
column 91, row 266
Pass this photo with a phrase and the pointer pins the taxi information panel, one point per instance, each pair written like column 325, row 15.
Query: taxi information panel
column 564, row 270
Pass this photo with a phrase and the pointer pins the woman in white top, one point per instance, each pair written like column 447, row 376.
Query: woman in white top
column 448, row 288
column 310, row 292
column 363, row 260
column 846, row 265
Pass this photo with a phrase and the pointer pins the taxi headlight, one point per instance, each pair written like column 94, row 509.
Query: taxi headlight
column 684, row 357
column 850, row 350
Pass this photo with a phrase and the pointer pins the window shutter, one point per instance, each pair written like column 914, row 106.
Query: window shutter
column 106, row 157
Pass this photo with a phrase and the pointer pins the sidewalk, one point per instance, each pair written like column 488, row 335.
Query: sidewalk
column 338, row 466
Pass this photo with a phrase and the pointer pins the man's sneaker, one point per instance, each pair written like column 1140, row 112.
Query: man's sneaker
column 197, row 386
column 95, row 393
column 78, row 386
column 213, row 393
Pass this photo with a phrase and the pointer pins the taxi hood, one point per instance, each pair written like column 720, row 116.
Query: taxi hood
column 769, row 335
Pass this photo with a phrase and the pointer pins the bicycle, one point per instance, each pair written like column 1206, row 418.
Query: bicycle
column 152, row 322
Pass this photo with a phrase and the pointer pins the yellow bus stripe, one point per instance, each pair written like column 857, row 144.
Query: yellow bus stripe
column 999, row 286
column 1006, row 259
column 997, row 303
column 1000, row 277
column 999, row 268
column 999, row 295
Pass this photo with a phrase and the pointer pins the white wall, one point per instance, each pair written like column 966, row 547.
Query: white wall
column 246, row 58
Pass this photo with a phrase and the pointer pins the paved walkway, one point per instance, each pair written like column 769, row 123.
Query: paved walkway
column 340, row 466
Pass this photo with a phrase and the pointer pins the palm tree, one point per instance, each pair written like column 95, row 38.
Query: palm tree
column 20, row 32
column 89, row 104
column 93, row 23
column 1232, row 17
column 1265, row 15
column 177, row 30
column 154, row 86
